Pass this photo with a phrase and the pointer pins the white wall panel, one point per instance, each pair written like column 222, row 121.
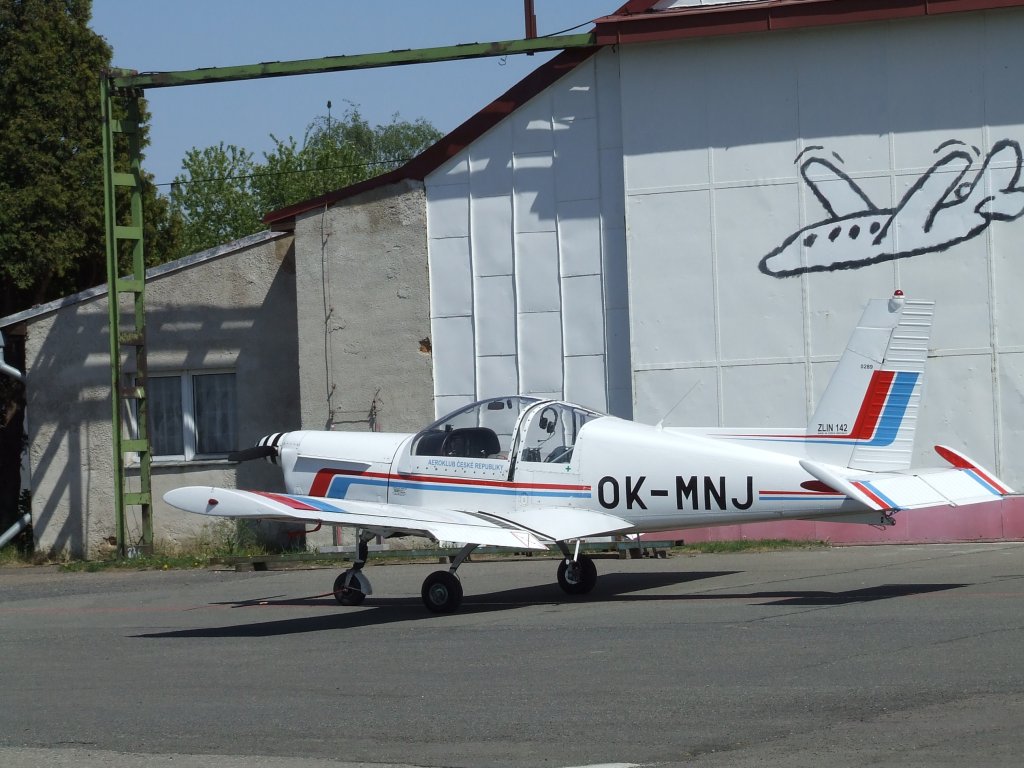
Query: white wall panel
column 454, row 367
column 921, row 78
column 455, row 170
column 839, row 75
column 577, row 174
column 614, row 268
column 672, row 289
column 583, row 313
column 1011, row 404
column 957, row 409
column 447, row 211
column 613, row 202
column 451, row 290
column 492, row 237
column 669, row 144
column 537, row 283
column 575, row 95
column 540, row 352
column 534, row 195
column 752, row 116
column 444, row 404
column 496, row 376
column 743, row 292
column 531, row 127
column 490, row 162
column 1006, row 265
column 579, row 240
column 495, row 315
column 683, row 397
column 609, row 101
column 780, row 400
column 585, row 381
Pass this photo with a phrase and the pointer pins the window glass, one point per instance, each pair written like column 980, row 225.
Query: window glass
column 552, row 431
column 214, row 400
column 166, row 420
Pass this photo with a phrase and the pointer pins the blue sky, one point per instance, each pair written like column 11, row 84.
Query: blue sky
column 154, row 35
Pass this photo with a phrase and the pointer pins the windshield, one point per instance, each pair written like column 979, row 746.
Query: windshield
column 481, row 430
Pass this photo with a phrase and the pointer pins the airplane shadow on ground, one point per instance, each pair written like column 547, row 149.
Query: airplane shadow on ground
column 616, row 587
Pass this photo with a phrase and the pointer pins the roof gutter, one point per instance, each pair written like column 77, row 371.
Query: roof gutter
column 772, row 15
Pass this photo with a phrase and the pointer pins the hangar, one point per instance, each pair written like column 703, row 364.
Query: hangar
column 682, row 223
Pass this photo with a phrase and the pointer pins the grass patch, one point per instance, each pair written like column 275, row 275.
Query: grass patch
column 226, row 538
column 154, row 562
column 747, row 545
column 11, row 556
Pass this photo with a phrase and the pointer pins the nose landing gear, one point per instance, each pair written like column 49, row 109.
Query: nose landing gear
column 351, row 587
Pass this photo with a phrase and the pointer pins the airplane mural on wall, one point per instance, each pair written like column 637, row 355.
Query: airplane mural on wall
column 529, row 473
column 944, row 207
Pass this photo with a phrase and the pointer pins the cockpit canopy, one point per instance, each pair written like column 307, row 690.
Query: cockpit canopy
column 480, row 429
column 486, row 429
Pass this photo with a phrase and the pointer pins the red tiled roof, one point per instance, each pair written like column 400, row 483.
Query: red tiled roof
column 637, row 22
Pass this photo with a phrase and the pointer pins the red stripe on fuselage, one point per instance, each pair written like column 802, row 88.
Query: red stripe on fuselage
column 322, row 482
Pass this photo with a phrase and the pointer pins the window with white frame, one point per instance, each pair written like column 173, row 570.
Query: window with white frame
column 191, row 415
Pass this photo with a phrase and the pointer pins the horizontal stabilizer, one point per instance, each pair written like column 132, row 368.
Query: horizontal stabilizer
column 441, row 525
column 967, row 483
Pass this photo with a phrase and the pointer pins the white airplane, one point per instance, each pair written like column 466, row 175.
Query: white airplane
column 529, row 473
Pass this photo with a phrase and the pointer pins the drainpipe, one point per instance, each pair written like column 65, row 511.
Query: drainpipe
column 14, row 373
column 25, row 520
column 22, row 523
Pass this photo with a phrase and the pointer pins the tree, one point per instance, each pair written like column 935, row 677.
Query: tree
column 51, row 183
column 216, row 204
column 223, row 193
column 51, row 173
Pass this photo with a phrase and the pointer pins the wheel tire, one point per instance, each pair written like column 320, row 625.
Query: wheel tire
column 442, row 592
column 347, row 595
column 577, row 578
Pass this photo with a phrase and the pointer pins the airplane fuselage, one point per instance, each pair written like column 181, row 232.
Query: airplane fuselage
column 653, row 479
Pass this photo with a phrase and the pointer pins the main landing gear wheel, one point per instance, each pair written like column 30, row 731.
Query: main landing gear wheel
column 349, row 591
column 442, row 592
column 579, row 577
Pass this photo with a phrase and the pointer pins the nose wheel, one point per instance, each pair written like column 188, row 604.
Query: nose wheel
column 351, row 587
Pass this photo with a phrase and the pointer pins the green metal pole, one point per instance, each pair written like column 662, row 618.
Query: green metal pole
column 126, row 79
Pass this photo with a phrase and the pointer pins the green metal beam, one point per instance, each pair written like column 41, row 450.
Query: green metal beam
column 128, row 79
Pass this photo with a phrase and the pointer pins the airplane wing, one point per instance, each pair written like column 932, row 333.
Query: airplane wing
column 442, row 525
column 966, row 483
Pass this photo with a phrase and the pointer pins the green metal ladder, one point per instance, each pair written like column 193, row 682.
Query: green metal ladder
column 127, row 383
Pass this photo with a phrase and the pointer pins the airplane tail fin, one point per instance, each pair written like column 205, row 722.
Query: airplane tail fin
column 867, row 417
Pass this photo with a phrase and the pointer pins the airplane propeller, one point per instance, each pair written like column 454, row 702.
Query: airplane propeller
column 256, row 452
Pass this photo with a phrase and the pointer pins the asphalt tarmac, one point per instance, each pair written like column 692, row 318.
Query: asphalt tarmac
column 893, row 656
